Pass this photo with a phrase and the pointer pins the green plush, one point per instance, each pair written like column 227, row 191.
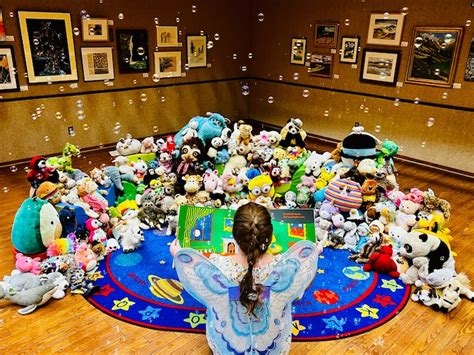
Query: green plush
column 36, row 225
column 129, row 192
column 146, row 157
column 296, row 179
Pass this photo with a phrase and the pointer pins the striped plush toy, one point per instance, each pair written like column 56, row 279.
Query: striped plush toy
column 345, row 194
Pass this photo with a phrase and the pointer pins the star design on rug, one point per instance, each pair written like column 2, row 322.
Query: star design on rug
column 367, row 311
column 95, row 276
column 392, row 285
column 150, row 313
column 320, row 271
column 297, row 327
column 335, row 323
column 105, row 290
column 123, row 304
column 194, row 319
column 162, row 262
column 168, row 244
column 321, row 256
column 384, row 301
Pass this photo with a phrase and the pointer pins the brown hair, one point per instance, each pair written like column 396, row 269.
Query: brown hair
column 252, row 230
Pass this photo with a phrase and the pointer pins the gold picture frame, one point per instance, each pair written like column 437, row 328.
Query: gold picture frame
column 95, row 30
column 168, row 64
column 385, row 29
column 196, row 50
column 97, row 63
column 298, row 51
column 167, row 36
column 46, row 63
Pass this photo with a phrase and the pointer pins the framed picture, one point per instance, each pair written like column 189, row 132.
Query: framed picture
column 8, row 75
column 196, row 49
column 321, row 64
column 434, row 55
column 385, row 29
column 48, row 46
column 380, row 66
column 167, row 36
column 132, row 46
column 349, row 49
column 97, row 63
column 469, row 74
column 168, row 64
column 325, row 35
column 95, row 30
column 2, row 27
column 298, row 51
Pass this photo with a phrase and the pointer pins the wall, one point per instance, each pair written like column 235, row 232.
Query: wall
column 332, row 113
column 104, row 105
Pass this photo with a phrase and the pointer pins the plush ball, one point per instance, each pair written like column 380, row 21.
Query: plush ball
column 345, row 194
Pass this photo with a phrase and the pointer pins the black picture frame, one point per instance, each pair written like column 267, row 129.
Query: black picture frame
column 132, row 60
column 342, row 58
column 15, row 71
column 375, row 76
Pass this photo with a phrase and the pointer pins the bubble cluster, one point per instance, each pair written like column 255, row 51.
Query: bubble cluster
column 194, row 8
column 117, row 127
column 430, row 122
column 271, row 99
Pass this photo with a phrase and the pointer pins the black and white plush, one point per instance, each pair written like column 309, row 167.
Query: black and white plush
column 292, row 134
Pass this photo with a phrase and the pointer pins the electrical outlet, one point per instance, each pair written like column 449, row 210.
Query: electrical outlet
column 70, row 130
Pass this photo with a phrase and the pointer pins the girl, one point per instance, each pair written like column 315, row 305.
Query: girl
column 248, row 295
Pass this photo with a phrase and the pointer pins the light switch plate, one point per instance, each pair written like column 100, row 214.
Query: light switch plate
column 456, row 85
column 404, row 44
column 399, row 84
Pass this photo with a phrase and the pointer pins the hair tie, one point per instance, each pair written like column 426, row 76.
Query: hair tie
column 252, row 296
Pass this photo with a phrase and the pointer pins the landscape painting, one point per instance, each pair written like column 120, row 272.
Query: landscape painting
column 380, row 66
column 385, row 29
column 325, row 35
column 321, row 65
column 469, row 74
column 196, row 51
column 434, row 56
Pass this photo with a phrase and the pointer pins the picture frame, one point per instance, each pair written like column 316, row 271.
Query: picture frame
column 298, row 51
column 325, row 34
column 48, row 46
column 385, row 29
column 8, row 74
column 2, row 27
column 132, row 48
column 196, row 51
column 349, row 49
column 380, row 66
column 95, row 30
column 469, row 73
column 434, row 55
column 97, row 63
column 321, row 64
column 168, row 64
column 167, row 36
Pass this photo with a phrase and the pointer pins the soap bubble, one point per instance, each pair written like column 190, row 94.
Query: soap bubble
column 396, row 102
column 280, row 77
column 46, row 138
column 234, row 56
column 260, row 17
column 85, row 127
column 383, row 75
column 308, row 56
column 243, row 68
column 121, row 16
column 36, row 41
column 13, row 169
column 423, row 144
column 305, row 93
column 418, row 41
column 194, row 8
column 42, row 107
column 83, row 13
column 217, row 36
column 156, row 21
column 5, row 189
column 385, row 15
column 326, row 113
column 468, row 23
column 72, row 133
column 130, row 102
column 155, row 78
column 210, row 44
column 186, row 66
column 92, row 31
column 366, row 110
column 271, row 99
column 155, row 129
column 296, row 76
column 59, row 115
column 416, row 101
column 201, row 33
column 347, row 22
column 143, row 97
column 443, row 45
column 61, row 88
column 12, row 14
column 34, row 116
column 436, row 71
column 444, row 96
column 430, row 122
column 177, row 19
column 163, row 99
column 117, row 127
column 250, row 55
column 140, row 51
column 362, row 107
column 378, row 128
column 245, row 90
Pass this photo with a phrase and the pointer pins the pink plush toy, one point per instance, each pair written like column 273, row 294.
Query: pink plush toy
column 86, row 258
column 396, row 196
column 211, row 181
column 415, row 195
column 148, row 145
column 309, row 181
column 93, row 226
column 27, row 264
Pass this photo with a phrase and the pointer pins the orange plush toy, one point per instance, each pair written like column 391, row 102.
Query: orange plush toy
column 382, row 262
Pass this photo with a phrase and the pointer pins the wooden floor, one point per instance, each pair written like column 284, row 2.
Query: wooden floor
column 72, row 325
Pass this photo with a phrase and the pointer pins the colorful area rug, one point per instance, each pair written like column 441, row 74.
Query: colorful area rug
column 142, row 288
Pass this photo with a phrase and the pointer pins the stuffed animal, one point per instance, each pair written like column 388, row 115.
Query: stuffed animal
column 387, row 151
column 396, row 234
column 382, row 262
column 64, row 162
column 191, row 154
column 452, row 292
column 100, row 178
column 405, row 217
column 49, row 192
column 308, row 181
column 128, row 146
column 67, row 217
column 26, row 264
column 73, row 199
column 140, row 168
column 207, row 128
column 415, row 195
column 113, row 173
column 432, row 203
column 96, row 233
column 172, row 220
column 369, row 192
column 39, row 172
column 192, row 185
column 367, row 250
column 351, row 237
column 358, row 145
column 314, row 163
column 367, row 168
column 128, row 231
column 211, row 180
column 292, row 134
column 127, row 172
column 148, row 145
column 344, row 194
column 62, row 246
column 85, row 257
column 261, row 185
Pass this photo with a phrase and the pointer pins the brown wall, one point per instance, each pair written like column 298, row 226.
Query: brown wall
column 230, row 19
column 447, row 143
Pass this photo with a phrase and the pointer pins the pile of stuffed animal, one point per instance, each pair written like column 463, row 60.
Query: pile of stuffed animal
column 74, row 219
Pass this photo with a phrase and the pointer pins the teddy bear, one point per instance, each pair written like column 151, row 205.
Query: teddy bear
column 369, row 192
column 405, row 217
column 292, row 134
column 323, row 227
column 395, row 236
column 148, row 145
column 382, row 262
column 26, row 264
column 242, row 134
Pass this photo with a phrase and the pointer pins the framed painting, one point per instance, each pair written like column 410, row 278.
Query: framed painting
column 298, row 51
column 48, row 46
column 8, row 75
column 167, row 36
column 321, row 65
column 132, row 47
column 380, row 66
column 97, row 63
column 168, row 64
column 434, row 55
column 95, row 30
column 325, row 35
column 349, row 49
column 196, row 49
column 385, row 29
column 469, row 73
column 2, row 27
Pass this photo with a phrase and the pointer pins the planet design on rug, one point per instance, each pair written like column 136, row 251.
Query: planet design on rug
column 326, row 296
column 168, row 289
column 355, row 273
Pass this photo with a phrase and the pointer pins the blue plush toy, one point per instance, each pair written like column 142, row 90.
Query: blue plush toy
column 207, row 128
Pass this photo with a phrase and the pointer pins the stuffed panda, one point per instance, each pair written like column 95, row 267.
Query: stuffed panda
column 292, row 134
column 420, row 249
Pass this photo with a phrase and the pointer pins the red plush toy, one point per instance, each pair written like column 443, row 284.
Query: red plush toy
column 382, row 262
column 38, row 172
